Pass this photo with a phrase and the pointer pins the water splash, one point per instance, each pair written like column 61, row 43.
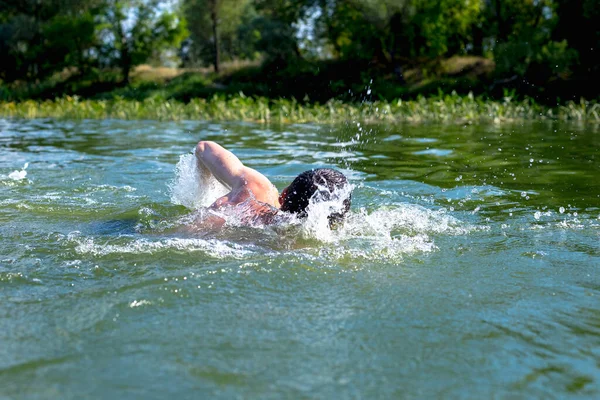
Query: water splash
column 191, row 188
column 211, row 247
column 323, row 204
column 388, row 232
column 19, row 175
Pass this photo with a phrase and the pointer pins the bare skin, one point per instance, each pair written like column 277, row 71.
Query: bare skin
column 252, row 199
column 248, row 186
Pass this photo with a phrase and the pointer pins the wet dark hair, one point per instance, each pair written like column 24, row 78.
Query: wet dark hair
column 325, row 183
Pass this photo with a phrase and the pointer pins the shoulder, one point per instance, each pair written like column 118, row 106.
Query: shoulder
column 261, row 188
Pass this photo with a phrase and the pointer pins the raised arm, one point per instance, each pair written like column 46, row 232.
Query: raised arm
column 230, row 171
column 222, row 163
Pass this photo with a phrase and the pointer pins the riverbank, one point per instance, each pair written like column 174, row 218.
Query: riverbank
column 307, row 82
column 320, row 81
column 451, row 108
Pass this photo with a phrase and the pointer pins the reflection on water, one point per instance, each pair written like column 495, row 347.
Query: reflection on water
column 467, row 266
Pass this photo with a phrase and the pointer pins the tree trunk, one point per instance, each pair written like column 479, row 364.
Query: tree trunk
column 80, row 63
column 125, row 68
column 397, row 30
column 503, row 29
column 125, row 59
column 214, row 16
column 37, row 40
column 477, row 40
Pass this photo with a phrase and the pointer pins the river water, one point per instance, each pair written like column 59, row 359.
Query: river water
column 468, row 267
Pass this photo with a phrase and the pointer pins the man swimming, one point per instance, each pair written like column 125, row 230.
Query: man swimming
column 258, row 199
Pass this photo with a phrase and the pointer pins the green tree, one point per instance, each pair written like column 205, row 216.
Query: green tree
column 214, row 29
column 578, row 22
column 38, row 38
column 134, row 31
column 276, row 27
column 68, row 42
column 395, row 32
column 522, row 42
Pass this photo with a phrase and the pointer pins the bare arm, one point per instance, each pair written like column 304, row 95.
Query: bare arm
column 230, row 171
column 223, row 164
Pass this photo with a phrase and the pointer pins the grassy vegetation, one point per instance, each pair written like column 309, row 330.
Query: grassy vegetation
column 328, row 92
column 441, row 108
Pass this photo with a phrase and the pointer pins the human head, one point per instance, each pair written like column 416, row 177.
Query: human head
column 323, row 183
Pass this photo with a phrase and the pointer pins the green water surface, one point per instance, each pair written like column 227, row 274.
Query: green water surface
column 468, row 267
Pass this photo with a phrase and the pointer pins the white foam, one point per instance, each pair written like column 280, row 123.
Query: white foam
column 388, row 232
column 19, row 175
column 316, row 224
column 192, row 189
column 211, row 247
column 411, row 218
column 138, row 303
column 106, row 188
column 378, row 249
column 384, row 223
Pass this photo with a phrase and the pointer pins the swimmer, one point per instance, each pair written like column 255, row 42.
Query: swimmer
column 259, row 202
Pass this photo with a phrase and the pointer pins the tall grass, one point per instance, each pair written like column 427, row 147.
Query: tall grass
column 450, row 108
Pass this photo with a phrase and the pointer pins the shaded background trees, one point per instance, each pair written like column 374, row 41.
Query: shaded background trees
column 135, row 31
column 531, row 43
column 38, row 38
column 214, row 27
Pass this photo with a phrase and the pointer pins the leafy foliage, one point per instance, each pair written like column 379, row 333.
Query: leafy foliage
column 38, row 38
column 407, row 28
column 33, row 39
column 534, row 43
column 128, row 43
column 223, row 17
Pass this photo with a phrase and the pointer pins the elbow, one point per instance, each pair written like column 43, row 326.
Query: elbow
column 201, row 147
